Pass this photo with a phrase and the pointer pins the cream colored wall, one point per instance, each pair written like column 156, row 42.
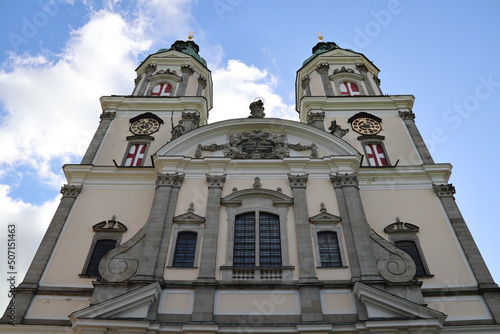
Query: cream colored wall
column 255, row 302
column 318, row 191
column 439, row 246
column 115, row 142
column 193, row 190
column 131, row 207
column 460, row 307
column 337, row 301
column 316, row 84
column 55, row 307
column 176, row 301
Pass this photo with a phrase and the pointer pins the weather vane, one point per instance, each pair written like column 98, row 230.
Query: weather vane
column 320, row 36
column 190, row 35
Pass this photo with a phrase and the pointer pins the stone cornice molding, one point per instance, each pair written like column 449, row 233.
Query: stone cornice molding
column 169, row 180
column 216, row 181
column 69, row 191
column 444, row 190
column 346, row 180
column 407, row 115
column 108, row 115
column 315, row 116
column 298, row 181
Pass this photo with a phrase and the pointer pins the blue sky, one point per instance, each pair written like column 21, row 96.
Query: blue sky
column 57, row 57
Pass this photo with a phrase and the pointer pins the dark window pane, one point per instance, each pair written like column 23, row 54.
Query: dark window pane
column 185, row 249
column 269, row 240
column 100, row 249
column 411, row 248
column 244, row 240
column 329, row 251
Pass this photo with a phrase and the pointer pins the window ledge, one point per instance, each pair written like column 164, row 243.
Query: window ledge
column 260, row 273
column 337, row 267
column 172, row 267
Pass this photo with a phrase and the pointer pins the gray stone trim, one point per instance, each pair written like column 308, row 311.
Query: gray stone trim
column 306, row 85
column 485, row 281
column 187, row 71
column 356, row 228
column 307, row 270
column 322, row 69
column 409, row 120
column 106, row 118
column 147, row 73
column 364, row 72
column 27, row 289
column 202, row 84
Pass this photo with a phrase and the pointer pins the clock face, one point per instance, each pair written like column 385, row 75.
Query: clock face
column 366, row 126
column 145, row 126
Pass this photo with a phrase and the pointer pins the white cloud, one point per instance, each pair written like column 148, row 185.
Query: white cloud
column 237, row 85
column 30, row 222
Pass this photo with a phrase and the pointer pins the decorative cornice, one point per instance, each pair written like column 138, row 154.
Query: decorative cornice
column 150, row 69
column 187, row 69
column 71, row 191
column 169, row 180
column 216, row 181
column 407, row 115
column 167, row 71
column 108, row 115
column 444, row 190
column 343, row 69
column 346, row 180
column 111, row 225
column 323, row 67
column 298, row 181
column 401, row 227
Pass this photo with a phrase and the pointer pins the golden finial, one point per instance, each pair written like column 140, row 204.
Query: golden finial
column 320, row 36
column 190, row 35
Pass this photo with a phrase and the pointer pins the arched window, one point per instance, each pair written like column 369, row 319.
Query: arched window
column 257, row 249
column 349, row 89
column 185, row 249
column 101, row 247
column 162, row 89
column 329, row 250
column 411, row 248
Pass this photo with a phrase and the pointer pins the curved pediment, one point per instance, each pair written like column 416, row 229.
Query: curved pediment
column 257, row 138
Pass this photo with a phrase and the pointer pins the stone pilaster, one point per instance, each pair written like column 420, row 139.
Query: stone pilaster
column 308, row 282
column 187, row 71
column 322, row 69
column 306, row 85
column 409, row 120
column 150, row 69
column 202, row 84
column 205, row 286
column 106, row 118
column 27, row 289
column 364, row 72
column 157, row 228
column 356, row 228
column 484, row 279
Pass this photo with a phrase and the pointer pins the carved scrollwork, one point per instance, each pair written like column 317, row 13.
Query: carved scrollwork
column 339, row 180
column 216, row 181
column 444, row 190
column 407, row 115
column 169, row 180
column 361, row 67
column 395, row 265
column 343, row 69
column 305, row 81
column 323, row 67
column 187, row 69
column 298, row 181
column 120, row 264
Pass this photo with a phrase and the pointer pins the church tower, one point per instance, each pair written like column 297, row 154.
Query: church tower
column 338, row 223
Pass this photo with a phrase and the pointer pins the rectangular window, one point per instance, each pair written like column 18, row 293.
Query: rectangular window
column 135, row 155
column 410, row 247
column 267, row 241
column 101, row 247
column 185, row 249
column 329, row 250
column 376, row 155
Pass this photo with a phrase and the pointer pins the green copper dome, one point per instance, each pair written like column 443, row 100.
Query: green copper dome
column 320, row 48
column 187, row 47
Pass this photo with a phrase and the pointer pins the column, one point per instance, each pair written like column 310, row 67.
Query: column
column 306, row 85
column 308, row 282
column 106, row 118
column 356, row 228
column 202, row 84
column 409, row 120
column 322, row 69
column 205, row 285
column 187, row 71
column 27, row 289
column 155, row 228
column 484, row 279
column 363, row 70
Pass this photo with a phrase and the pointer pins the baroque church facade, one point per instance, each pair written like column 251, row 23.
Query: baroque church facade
column 338, row 223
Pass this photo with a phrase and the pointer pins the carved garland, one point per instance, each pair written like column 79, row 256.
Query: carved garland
column 256, row 145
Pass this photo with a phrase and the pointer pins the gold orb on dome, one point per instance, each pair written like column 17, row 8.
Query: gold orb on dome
column 320, row 36
column 190, row 35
